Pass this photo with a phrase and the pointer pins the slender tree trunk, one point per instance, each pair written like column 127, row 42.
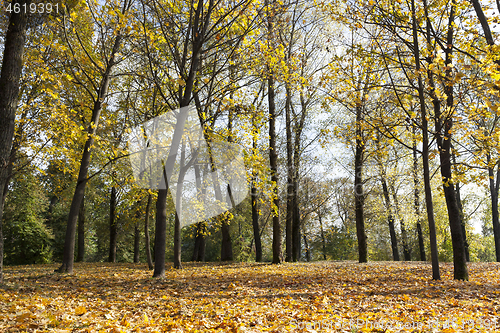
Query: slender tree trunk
column 81, row 232
column 12, row 65
column 69, row 241
column 200, row 230
column 146, row 233
column 290, row 174
column 308, row 251
column 425, row 142
column 358, row 189
column 295, row 181
column 273, row 154
column 178, row 208
column 113, row 228
column 226, row 242
column 254, row 194
column 323, row 240
column 461, row 210
column 494, row 186
column 160, row 232
column 273, row 158
column 417, row 201
column 199, row 25
column 390, row 219
column 462, row 218
column 137, row 242
column 443, row 138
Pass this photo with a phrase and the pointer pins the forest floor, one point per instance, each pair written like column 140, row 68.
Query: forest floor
column 247, row 297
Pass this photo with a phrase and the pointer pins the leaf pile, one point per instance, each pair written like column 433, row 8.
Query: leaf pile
column 305, row 297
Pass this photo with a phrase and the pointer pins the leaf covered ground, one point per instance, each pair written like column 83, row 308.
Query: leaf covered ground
column 304, row 297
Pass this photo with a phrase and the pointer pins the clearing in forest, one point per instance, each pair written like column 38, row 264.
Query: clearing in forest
column 249, row 297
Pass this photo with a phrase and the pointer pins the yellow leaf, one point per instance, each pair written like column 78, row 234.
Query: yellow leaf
column 80, row 310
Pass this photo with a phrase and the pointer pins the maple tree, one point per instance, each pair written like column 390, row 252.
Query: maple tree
column 10, row 75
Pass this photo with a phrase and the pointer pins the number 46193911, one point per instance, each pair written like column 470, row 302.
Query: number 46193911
column 33, row 8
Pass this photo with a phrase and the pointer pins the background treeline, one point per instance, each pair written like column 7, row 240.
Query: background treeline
column 369, row 129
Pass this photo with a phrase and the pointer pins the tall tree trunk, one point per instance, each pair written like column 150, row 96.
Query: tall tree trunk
column 146, row 233
column 295, row 181
column 137, row 242
column 273, row 154
column 226, row 251
column 443, row 138
column 273, row 159
column 113, row 228
column 390, row 219
column 289, row 186
column 358, row 189
column 323, row 240
column 461, row 210
column 160, row 231
column 416, row 193
column 226, row 242
column 425, row 141
column 81, row 232
column 12, row 65
column 199, row 25
column 178, row 208
column 494, row 186
column 69, row 241
column 254, row 194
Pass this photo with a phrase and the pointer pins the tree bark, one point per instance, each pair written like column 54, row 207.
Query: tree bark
column 69, row 241
column 289, row 186
column 494, row 204
column 444, row 124
column 137, row 242
column 425, row 140
column 462, row 219
column 296, row 245
column 273, row 154
column 255, row 208
column 178, row 208
column 323, row 240
column 81, row 232
column 113, row 228
column 358, row 189
column 12, row 65
column 273, row 159
column 160, row 232
column 146, row 233
column 416, row 193
column 226, row 250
